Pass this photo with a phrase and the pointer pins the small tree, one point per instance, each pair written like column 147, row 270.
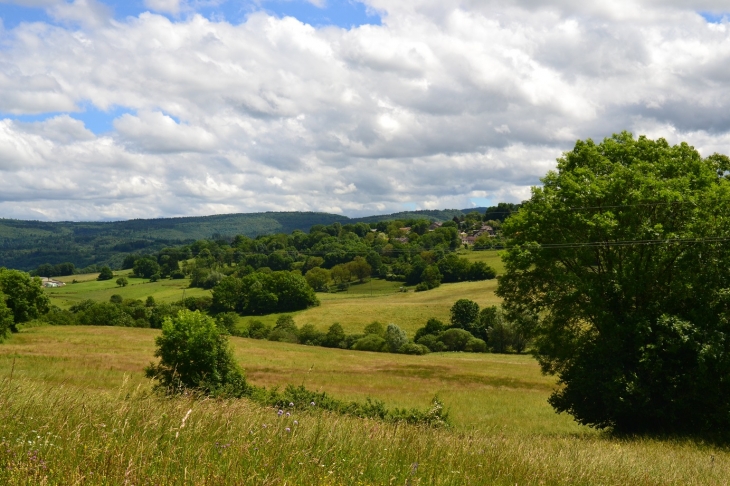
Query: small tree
column 105, row 274
column 122, row 282
column 395, row 338
column 318, row 278
column 464, row 313
column 194, row 354
column 24, row 296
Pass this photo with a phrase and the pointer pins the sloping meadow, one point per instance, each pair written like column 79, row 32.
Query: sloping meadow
column 74, row 409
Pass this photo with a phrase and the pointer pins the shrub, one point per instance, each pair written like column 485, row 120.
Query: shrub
column 455, row 339
column 177, row 274
column 431, row 342
column 122, row 282
column 421, row 287
column 371, row 342
column 105, row 274
column 55, row 317
column 413, row 348
column 310, row 336
column 475, row 345
column 285, row 330
column 433, row 326
column 395, row 338
column 116, row 299
column 226, row 322
column 155, row 277
column 195, row 355
column 375, row 328
column 335, row 337
column 258, row 330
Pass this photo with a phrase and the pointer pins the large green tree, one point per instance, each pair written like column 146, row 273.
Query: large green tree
column 624, row 253
column 24, row 296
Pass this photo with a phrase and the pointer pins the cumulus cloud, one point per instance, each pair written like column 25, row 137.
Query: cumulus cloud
column 446, row 102
column 165, row 6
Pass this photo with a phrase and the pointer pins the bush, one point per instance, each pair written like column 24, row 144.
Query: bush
column 335, row 337
column 310, row 336
column 155, row 277
column 195, row 355
column 105, row 274
column 371, row 342
column 395, row 338
column 177, row 274
column 421, row 287
column 455, row 339
column 375, row 327
column 432, row 342
column 413, row 348
column 258, row 330
column 122, row 282
column 55, row 317
column 226, row 322
column 285, row 330
column 116, row 299
column 433, row 326
column 475, row 345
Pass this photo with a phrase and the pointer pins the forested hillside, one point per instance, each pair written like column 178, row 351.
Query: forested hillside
column 25, row 245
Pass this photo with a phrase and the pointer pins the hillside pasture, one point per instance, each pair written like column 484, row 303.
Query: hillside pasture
column 75, row 409
column 87, row 287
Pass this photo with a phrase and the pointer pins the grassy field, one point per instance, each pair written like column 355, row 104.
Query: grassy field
column 78, row 411
column 75, row 408
column 87, row 287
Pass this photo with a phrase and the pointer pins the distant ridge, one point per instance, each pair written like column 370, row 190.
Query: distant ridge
column 26, row 244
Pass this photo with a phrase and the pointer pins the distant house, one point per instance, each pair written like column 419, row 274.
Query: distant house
column 485, row 229
column 50, row 283
column 435, row 225
column 468, row 240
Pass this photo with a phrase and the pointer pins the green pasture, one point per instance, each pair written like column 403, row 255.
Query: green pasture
column 410, row 310
column 87, row 287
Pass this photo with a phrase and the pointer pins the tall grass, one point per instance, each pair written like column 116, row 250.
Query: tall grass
column 59, row 435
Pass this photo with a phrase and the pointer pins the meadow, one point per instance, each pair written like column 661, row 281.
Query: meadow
column 75, row 408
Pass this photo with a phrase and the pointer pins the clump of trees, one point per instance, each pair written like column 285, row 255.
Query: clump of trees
column 623, row 252
column 263, row 293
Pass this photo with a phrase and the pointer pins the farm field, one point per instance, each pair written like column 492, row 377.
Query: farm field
column 87, row 287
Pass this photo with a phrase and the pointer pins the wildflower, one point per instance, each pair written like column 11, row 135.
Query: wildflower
column 288, row 429
column 312, row 404
column 296, row 422
column 280, row 413
column 288, row 414
column 291, row 404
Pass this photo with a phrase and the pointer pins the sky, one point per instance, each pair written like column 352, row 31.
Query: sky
column 118, row 109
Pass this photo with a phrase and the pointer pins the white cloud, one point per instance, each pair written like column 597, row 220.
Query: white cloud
column 447, row 101
column 165, row 6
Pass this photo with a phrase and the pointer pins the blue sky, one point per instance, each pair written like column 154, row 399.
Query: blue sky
column 342, row 13
column 433, row 105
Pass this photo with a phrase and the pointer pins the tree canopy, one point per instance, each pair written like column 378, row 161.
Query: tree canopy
column 624, row 255
column 23, row 296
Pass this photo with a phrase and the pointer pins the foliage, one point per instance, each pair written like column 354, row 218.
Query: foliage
column 623, row 253
column 395, row 338
column 464, row 313
column 262, row 293
column 6, row 318
column 455, row 339
column 122, row 282
column 24, row 296
column 146, row 267
column 194, row 354
column 105, row 274
column 370, row 342
column 318, row 278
